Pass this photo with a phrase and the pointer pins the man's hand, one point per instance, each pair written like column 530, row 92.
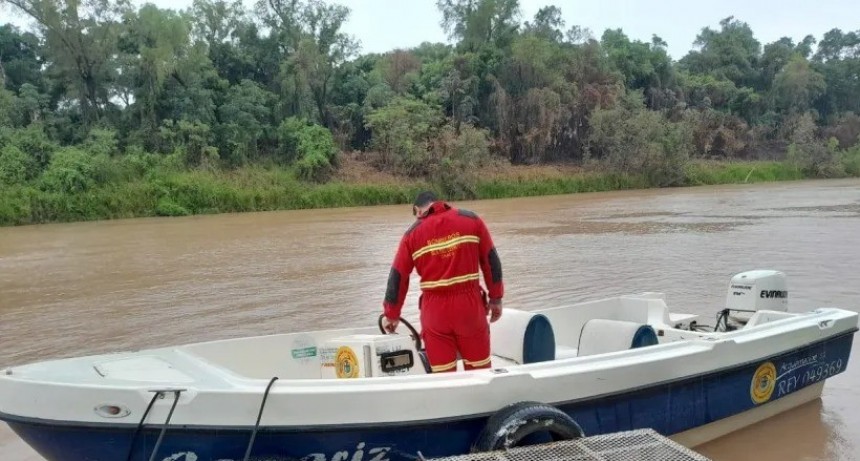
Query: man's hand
column 390, row 325
column 495, row 310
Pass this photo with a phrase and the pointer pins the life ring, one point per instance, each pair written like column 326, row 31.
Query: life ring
column 507, row 427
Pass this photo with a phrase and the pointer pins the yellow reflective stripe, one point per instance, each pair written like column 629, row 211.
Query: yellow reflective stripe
column 445, row 245
column 479, row 363
column 445, row 367
column 451, row 281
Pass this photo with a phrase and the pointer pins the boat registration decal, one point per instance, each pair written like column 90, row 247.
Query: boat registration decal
column 346, row 363
column 304, row 352
column 763, row 383
column 304, row 349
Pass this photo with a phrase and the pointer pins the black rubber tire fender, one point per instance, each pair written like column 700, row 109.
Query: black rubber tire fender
column 508, row 426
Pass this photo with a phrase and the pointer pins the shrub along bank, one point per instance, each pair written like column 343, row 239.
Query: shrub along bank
column 123, row 188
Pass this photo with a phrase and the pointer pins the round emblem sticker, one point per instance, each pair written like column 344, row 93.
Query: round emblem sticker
column 346, row 363
column 763, row 383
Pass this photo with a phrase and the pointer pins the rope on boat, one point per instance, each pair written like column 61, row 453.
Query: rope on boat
column 259, row 417
column 177, row 393
column 722, row 318
column 140, row 424
column 166, row 423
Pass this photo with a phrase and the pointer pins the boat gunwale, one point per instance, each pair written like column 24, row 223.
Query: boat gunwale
column 337, row 427
column 244, row 384
column 709, row 340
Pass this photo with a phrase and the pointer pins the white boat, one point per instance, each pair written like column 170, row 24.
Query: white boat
column 358, row 395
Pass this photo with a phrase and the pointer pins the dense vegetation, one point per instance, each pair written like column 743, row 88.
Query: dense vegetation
column 107, row 110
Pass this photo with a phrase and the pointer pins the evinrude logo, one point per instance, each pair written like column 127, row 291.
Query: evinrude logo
column 774, row 294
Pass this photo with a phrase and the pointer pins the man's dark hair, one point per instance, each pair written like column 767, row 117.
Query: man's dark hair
column 425, row 198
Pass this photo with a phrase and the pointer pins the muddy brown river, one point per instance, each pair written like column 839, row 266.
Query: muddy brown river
column 87, row 288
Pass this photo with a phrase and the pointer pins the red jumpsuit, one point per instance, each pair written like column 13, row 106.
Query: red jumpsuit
column 447, row 247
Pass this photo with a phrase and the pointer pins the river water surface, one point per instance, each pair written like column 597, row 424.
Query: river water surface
column 86, row 288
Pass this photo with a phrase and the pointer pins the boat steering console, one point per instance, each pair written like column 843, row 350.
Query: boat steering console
column 413, row 332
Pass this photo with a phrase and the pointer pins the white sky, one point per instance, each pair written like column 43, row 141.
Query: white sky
column 382, row 25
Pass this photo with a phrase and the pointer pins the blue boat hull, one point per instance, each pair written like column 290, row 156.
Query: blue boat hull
column 669, row 408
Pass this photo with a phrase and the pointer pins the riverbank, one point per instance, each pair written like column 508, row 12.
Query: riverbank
column 179, row 193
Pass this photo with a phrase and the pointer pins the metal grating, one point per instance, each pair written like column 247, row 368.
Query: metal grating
column 638, row 445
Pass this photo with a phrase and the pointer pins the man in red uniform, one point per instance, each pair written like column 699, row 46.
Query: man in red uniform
column 447, row 246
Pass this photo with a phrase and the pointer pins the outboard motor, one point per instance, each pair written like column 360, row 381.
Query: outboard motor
column 754, row 291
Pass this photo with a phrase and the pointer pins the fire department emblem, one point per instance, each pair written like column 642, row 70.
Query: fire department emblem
column 763, row 383
column 346, row 363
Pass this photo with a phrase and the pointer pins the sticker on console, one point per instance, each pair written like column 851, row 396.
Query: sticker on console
column 304, row 349
column 346, row 363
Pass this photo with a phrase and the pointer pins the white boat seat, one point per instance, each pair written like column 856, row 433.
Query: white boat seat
column 523, row 337
column 600, row 336
column 425, row 362
column 501, row 362
column 565, row 352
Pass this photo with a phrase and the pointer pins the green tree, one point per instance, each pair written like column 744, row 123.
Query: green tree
column 20, row 59
column 732, row 53
column 797, row 86
column 547, row 24
column 246, row 117
column 644, row 66
column 80, row 39
column 838, row 59
column 475, row 23
column 403, row 132
column 158, row 41
column 312, row 46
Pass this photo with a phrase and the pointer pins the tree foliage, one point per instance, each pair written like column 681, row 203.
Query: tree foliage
column 219, row 85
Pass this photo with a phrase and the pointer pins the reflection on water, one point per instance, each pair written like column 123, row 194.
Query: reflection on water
column 90, row 288
column 808, row 442
column 642, row 227
column 852, row 209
